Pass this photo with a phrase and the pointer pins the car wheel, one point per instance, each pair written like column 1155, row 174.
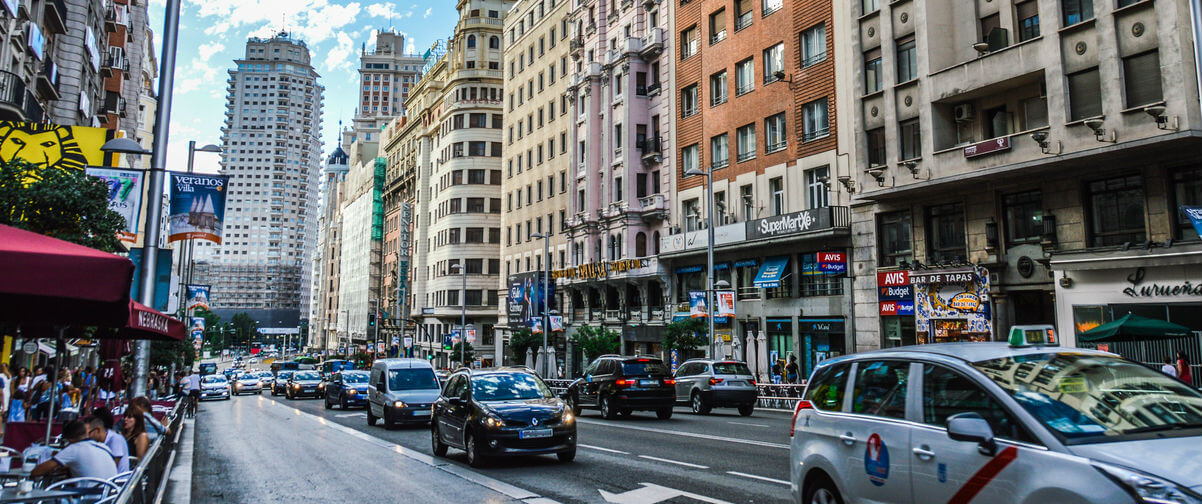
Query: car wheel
column 371, row 419
column 625, row 412
column 326, row 403
column 746, row 410
column 387, row 419
column 700, row 406
column 822, row 491
column 439, row 449
column 474, row 458
column 342, row 403
column 607, row 410
column 567, row 456
column 574, row 404
column 663, row 413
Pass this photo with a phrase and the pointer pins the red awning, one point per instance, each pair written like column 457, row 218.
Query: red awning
column 146, row 323
column 48, row 281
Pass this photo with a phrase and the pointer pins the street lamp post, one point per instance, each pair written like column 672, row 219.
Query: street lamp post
column 462, row 315
column 709, row 250
column 546, row 371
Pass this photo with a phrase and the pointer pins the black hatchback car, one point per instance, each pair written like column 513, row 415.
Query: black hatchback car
column 620, row 385
column 501, row 412
column 303, row 384
column 280, row 384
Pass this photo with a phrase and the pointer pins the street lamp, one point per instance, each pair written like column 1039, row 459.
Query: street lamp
column 709, row 248
column 546, row 298
column 462, row 315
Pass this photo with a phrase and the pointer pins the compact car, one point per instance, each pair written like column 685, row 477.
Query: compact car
column 620, row 385
column 706, row 384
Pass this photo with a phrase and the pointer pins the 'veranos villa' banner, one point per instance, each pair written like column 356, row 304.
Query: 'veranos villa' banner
column 54, row 146
column 197, row 206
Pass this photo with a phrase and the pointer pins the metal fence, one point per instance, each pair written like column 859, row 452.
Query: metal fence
column 771, row 395
column 1153, row 352
column 147, row 480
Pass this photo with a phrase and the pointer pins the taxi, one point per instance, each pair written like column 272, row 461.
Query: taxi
column 995, row 423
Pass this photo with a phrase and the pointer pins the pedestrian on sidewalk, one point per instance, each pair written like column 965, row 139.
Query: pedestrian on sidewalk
column 17, row 405
column 1183, row 370
column 791, row 370
column 1168, row 367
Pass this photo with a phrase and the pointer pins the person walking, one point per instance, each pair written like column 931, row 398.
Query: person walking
column 5, row 394
column 17, row 405
column 1183, row 370
column 1168, row 367
column 791, row 370
column 23, row 379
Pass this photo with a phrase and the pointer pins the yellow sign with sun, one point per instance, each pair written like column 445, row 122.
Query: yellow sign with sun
column 52, row 146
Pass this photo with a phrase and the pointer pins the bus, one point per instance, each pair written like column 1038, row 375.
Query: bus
column 276, row 367
column 334, row 366
column 208, row 368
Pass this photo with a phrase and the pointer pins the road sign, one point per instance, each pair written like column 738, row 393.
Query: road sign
column 408, row 342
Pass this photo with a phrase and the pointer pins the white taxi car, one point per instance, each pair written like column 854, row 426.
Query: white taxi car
column 994, row 423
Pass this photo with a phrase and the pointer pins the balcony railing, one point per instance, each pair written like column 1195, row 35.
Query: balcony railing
column 56, row 16
column 12, row 95
column 653, row 44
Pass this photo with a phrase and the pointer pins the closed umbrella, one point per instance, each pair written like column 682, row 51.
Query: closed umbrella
column 1135, row 328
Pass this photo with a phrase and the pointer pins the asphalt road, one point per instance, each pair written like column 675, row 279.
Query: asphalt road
column 722, row 456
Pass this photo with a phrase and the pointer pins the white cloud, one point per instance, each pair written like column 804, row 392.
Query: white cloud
column 338, row 58
column 410, row 47
column 196, row 75
column 382, row 10
column 429, row 10
column 208, row 50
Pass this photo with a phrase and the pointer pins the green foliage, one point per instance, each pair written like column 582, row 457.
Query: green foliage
column 65, row 204
column 165, row 353
column 687, row 334
column 522, row 340
column 245, row 328
column 469, row 353
column 595, row 341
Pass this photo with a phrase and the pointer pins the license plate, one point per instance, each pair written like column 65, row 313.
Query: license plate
column 421, row 412
column 534, row 434
column 648, row 383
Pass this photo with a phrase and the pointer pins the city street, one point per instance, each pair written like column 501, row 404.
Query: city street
column 722, row 457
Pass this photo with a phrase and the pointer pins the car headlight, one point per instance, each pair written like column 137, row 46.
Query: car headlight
column 1147, row 488
column 567, row 416
column 352, row 391
column 321, row 386
column 295, row 385
column 493, row 422
column 398, row 404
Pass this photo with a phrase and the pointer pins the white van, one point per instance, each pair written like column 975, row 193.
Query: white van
column 401, row 391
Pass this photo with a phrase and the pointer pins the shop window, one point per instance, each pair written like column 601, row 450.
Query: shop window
column 815, row 282
column 898, row 330
column 780, row 341
column 1116, row 211
column 1024, row 218
column 893, row 238
column 945, row 233
column 1187, row 190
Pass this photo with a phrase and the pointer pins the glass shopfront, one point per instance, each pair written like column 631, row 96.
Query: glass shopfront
column 821, row 339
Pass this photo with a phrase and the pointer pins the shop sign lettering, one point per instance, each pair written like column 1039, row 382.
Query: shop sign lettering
column 1139, row 289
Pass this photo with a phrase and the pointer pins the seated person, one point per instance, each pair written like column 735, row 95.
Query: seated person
column 82, row 458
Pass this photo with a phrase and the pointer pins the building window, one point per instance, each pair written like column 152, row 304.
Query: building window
column 1024, row 219
column 692, row 214
column 872, row 71
column 1141, row 79
column 774, row 63
column 1116, row 211
column 774, row 133
column 718, row 88
column 907, row 60
column 777, row 187
column 815, row 282
column 746, row 138
column 1028, row 20
column 817, row 122
column 771, row 6
column 689, row 158
column 1084, row 95
column 945, row 233
column 744, row 76
column 869, row 6
column 813, row 45
column 909, row 140
column 688, row 101
column 720, row 151
column 743, row 14
column 718, row 26
column 893, row 238
column 816, row 187
column 747, row 197
column 1187, row 191
column 1076, row 11
column 688, row 42
column 876, row 146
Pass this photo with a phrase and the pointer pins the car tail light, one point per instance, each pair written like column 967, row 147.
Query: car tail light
column 801, row 405
column 753, row 382
column 624, row 382
column 715, row 381
column 669, row 381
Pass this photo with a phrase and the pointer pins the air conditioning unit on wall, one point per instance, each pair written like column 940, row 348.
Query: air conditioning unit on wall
column 963, row 112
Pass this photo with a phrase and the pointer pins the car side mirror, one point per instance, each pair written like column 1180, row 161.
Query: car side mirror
column 455, row 401
column 972, row 428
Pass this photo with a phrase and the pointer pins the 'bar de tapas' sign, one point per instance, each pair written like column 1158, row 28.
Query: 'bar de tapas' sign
column 987, row 147
column 954, row 276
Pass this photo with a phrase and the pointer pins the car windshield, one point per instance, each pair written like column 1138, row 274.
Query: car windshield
column 644, row 367
column 735, row 368
column 508, row 387
column 248, row 377
column 411, row 379
column 306, row 376
column 284, row 375
column 213, row 380
column 354, row 378
column 1087, row 398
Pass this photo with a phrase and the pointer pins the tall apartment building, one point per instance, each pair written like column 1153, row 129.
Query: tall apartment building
column 1027, row 158
column 386, row 74
column 272, row 155
column 361, row 235
column 400, row 148
column 756, row 82
column 464, row 207
column 79, row 53
column 621, row 178
column 324, row 315
column 125, row 26
column 538, row 122
column 34, row 35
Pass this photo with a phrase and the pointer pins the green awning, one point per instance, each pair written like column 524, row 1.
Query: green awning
column 1135, row 328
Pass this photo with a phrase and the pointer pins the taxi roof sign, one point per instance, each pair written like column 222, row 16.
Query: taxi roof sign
column 1033, row 335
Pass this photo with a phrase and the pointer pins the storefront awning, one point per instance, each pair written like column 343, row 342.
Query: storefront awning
column 772, row 272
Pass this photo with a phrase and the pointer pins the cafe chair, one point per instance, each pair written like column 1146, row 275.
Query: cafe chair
column 121, row 479
column 92, row 490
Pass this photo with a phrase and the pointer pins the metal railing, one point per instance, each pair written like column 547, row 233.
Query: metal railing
column 147, row 482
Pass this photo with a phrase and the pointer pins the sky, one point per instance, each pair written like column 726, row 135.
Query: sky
column 213, row 33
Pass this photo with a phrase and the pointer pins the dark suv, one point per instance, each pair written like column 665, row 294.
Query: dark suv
column 501, row 412
column 619, row 385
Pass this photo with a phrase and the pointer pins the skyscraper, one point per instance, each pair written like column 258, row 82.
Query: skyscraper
column 272, row 154
column 385, row 75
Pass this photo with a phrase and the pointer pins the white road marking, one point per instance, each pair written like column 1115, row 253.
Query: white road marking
column 745, row 423
column 349, row 415
column 651, row 494
column 591, row 447
column 761, row 478
column 670, row 461
column 782, row 446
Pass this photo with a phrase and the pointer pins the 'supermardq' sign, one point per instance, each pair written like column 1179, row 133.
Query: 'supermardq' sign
column 814, row 219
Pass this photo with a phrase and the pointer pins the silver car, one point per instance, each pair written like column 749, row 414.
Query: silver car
column 708, row 384
column 990, row 422
column 248, row 383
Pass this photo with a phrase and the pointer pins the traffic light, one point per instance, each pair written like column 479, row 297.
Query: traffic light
column 371, row 320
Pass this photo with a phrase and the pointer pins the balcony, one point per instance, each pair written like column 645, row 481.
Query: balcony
column 582, row 219
column 112, row 63
column 12, row 97
column 48, row 81
column 615, row 209
column 113, row 103
column 653, row 44
column 654, row 207
column 576, row 46
column 56, row 16
column 651, row 150
column 633, row 45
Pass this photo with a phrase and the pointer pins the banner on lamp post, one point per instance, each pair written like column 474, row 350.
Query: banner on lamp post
column 697, row 307
column 556, row 323
column 726, row 303
column 197, row 207
column 125, row 197
column 198, row 296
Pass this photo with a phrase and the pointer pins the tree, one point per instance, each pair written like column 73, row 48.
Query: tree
column 522, row 340
column 468, row 356
column 165, row 353
column 244, row 326
column 687, row 334
column 65, row 204
column 595, row 341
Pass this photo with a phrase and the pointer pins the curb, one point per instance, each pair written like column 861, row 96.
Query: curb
column 177, row 482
